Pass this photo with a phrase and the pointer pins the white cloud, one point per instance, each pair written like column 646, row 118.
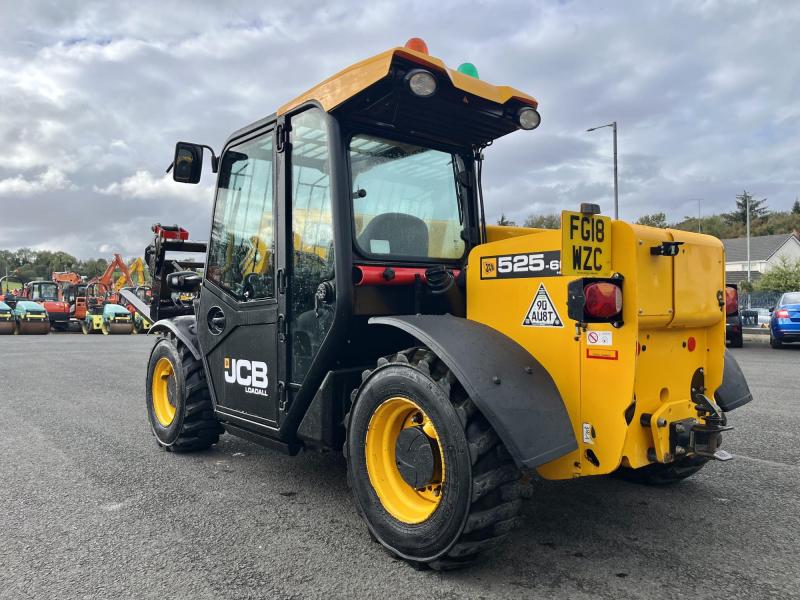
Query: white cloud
column 50, row 180
column 93, row 96
column 144, row 185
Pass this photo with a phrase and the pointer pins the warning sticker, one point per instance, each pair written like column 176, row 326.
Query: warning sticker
column 598, row 338
column 542, row 312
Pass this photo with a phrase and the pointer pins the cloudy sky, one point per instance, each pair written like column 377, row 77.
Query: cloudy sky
column 94, row 95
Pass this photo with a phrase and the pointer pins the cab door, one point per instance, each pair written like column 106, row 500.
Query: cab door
column 238, row 311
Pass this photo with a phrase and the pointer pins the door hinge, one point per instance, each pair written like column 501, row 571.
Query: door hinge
column 281, row 277
column 283, row 397
column 281, row 137
column 282, row 328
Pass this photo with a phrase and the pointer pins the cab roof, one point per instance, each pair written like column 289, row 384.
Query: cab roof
column 356, row 78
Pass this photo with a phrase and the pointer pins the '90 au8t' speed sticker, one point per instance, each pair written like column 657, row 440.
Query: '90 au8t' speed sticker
column 528, row 264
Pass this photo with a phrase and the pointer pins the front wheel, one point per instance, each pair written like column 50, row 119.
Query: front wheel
column 429, row 475
column 178, row 400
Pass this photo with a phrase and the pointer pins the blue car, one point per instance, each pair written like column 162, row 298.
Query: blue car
column 784, row 326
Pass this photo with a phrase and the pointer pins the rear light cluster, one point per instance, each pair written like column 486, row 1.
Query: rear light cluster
column 603, row 299
column 782, row 314
column 595, row 301
column 731, row 300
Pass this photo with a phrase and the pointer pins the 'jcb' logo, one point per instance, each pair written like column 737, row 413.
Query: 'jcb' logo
column 246, row 372
column 488, row 267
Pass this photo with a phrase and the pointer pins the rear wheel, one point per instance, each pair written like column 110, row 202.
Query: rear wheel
column 86, row 328
column 663, row 473
column 429, row 475
column 737, row 341
column 178, row 400
column 775, row 342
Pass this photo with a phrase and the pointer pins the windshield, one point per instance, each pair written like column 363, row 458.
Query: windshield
column 405, row 202
column 791, row 298
column 45, row 291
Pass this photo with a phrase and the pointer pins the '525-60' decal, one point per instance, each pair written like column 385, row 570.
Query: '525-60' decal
column 527, row 264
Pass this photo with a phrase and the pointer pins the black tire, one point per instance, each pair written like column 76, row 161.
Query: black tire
column 194, row 426
column 480, row 495
column 663, row 473
column 775, row 342
column 737, row 341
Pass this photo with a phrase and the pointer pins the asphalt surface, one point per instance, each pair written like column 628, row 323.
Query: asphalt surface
column 90, row 508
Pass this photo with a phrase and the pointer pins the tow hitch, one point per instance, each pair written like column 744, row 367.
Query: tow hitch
column 701, row 438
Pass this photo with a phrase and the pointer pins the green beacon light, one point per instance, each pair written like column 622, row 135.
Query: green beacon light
column 468, row 69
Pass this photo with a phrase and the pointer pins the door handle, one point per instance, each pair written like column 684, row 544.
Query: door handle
column 324, row 295
column 216, row 320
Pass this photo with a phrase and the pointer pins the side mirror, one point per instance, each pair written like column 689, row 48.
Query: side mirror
column 771, row 309
column 188, row 163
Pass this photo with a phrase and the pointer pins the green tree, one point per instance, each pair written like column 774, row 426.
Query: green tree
column 796, row 207
column 543, row 221
column 758, row 209
column 505, row 221
column 655, row 220
column 783, row 277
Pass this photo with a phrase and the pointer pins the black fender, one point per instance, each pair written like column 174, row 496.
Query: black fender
column 511, row 388
column 734, row 391
column 184, row 328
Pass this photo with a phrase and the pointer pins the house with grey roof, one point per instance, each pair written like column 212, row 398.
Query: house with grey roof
column 766, row 251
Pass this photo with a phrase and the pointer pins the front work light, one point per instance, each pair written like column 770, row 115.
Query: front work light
column 528, row 118
column 421, row 83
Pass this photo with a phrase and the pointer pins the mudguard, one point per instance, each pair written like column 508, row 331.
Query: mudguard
column 512, row 390
column 734, row 391
column 184, row 328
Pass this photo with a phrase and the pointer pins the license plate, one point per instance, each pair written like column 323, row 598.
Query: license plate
column 585, row 244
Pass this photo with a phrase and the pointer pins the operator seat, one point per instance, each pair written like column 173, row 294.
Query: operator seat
column 396, row 234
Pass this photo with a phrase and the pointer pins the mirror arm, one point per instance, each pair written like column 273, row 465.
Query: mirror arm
column 214, row 158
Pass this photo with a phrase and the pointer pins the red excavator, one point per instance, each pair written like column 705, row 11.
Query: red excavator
column 102, row 302
column 104, row 292
column 72, row 290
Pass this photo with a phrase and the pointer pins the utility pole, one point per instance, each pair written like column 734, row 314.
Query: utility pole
column 699, row 229
column 747, row 205
column 616, row 182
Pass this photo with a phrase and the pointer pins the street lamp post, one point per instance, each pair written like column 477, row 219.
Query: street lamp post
column 616, row 184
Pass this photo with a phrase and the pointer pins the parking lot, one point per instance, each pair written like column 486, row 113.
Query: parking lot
column 92, row 509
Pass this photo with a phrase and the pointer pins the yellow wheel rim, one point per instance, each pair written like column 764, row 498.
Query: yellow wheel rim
column 163, row 392
column 400, row 499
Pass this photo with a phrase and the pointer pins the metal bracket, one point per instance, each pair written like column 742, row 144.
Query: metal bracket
column 666, row 249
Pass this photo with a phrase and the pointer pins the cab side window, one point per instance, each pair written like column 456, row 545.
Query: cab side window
column 312, row 237
column 241, row 258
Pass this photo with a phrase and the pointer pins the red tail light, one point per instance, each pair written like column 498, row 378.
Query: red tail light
column 731, row 300
column 782, row 314
column 603, row 299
